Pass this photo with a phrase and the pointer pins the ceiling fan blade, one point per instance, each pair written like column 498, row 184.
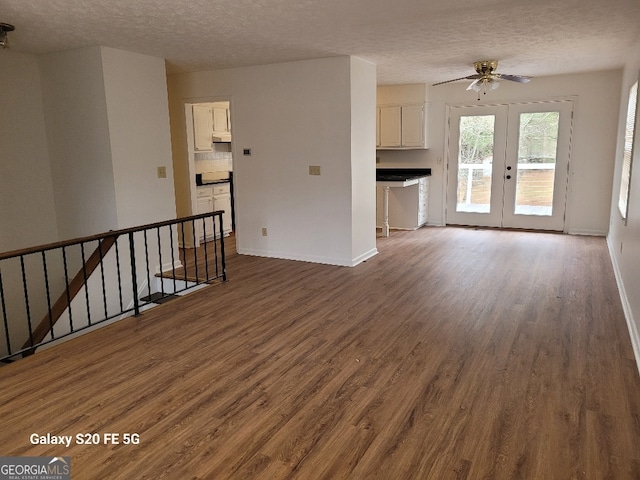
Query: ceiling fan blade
column 472, row 84
column 513, row 78
column 470, row 77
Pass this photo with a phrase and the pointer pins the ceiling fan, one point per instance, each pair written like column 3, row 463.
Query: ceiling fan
column 486, row 78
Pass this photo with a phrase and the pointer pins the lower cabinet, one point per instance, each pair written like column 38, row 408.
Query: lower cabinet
column 209, row 199
column 408, row 206
column 222, row 201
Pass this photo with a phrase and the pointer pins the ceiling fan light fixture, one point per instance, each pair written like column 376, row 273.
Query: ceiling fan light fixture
column 486, row 78
column 4, row 39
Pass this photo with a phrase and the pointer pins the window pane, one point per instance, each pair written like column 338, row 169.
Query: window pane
column 628, row 148
column 475, row 163
column 537, row 150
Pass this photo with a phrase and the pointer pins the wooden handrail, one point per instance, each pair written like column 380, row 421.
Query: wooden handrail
column 74, row 287
column 101, row 236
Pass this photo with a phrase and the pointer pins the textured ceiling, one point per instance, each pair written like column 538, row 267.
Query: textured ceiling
column 409, row 40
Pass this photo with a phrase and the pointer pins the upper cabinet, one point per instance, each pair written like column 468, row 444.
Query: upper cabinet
column 389, row 126
column 401, row 121
column 221, row 120
column 413, row 126
column 211, row 123
column 202, row 128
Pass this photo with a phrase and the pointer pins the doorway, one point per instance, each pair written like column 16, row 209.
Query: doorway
column 208, row 171
column 508, row 165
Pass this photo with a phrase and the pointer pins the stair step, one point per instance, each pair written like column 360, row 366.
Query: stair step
column 159, row 297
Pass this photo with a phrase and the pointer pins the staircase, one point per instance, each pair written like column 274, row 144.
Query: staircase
column 127, row 271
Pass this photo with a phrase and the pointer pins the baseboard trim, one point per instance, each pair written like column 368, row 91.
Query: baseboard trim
column 626, row 307
column 308, row 258
column 364, row 257
column 590, row 233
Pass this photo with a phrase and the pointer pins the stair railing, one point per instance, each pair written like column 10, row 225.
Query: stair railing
column 127, row 271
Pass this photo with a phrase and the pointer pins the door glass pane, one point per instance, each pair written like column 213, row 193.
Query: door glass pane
column 475, row 163
column 537, row 147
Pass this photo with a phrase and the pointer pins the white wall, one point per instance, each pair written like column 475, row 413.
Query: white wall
column 624, row 239
column 363, row 152
column 291, row 115
column 593, row 143
column 78, row 135
column 140, row 139
column 27, row 212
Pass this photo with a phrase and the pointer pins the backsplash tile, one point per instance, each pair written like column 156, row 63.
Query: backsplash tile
column 219, row 160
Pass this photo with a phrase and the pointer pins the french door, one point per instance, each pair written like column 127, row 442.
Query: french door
column 508, row 165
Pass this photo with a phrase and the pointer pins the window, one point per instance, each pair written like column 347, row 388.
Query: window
column 623, row 201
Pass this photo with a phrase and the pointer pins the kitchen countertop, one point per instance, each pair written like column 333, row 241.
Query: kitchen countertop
column 400, row 177
column 212, row 178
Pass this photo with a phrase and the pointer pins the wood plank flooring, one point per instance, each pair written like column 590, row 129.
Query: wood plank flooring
column 453, row 354
column 203, row 263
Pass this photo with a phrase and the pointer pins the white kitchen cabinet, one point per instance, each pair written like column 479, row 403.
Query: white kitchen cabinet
column 390, row 126
column 401, row 127
column 220, row 117
column 413, row 131
column 211, row 198
column 202, row 128
column 204, row 204
column 408, row 206
column 222, row 201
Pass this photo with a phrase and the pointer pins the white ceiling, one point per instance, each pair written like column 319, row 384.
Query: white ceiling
column 411, row 41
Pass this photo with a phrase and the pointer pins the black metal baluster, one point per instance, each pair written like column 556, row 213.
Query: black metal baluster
column 184, row 254
column 47, row 290
column 4, row 315
column 104, row 285
column 146, row 259
column 206, row 256
column 134, row 275
column 160, row 261
column 173, row 259
column 119, row 276
column 86, row 285
column 215, row 245
column 224, row 265
column 66, row 282
column 195, row 250
column 26, row 298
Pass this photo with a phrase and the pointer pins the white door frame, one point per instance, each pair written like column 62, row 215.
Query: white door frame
column 505, row 148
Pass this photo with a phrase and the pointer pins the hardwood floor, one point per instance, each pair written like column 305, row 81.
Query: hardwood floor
column 453, row 354
column 203, row 263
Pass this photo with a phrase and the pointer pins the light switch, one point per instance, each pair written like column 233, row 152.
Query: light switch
column 162, row 172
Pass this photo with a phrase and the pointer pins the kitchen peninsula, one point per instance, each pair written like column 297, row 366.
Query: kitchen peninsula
column 407, row 205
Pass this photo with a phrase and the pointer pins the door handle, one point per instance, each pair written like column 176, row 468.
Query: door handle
column 508, row 177
column 509, row 167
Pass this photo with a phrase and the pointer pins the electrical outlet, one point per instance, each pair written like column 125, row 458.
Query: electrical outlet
column 314, row 169
column 264, row 231
column 246, row 152
column 162, row 172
